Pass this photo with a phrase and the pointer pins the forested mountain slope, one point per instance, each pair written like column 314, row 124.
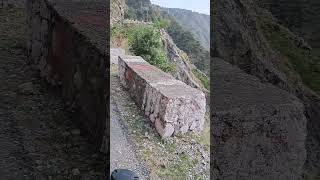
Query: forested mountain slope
column 198, row 24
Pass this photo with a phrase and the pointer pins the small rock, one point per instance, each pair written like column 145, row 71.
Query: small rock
column 203, row 156
column 75, row 172
column 163, row 166
column 26, row 88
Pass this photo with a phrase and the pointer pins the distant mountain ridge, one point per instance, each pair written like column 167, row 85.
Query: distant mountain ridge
column 198, row 24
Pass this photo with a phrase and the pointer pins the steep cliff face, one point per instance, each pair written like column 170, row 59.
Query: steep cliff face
column 239, row 37
column 117, row 9
column 198, row 24
column 239, row 40
column 180, row 59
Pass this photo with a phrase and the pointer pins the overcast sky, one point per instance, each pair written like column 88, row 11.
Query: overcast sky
column 201, row 6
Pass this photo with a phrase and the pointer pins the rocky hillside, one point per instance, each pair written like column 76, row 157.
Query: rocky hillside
column 198, row 24
column 117, row 8
column 300, row 16
column 250, row 38
column 185, row 69
column 185, row 40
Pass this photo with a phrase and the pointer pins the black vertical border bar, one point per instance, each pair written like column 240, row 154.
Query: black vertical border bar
column 213, row 29
column 107, row 93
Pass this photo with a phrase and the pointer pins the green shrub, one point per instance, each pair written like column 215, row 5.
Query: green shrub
column 130, row 14
column 146, row 42
column 161, row 24
column 118, row 31
column 202, row 77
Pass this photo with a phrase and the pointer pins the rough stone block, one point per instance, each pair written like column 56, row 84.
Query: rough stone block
column 66, row 41
column 173, row 106
column 115, row 53
column 259, row 131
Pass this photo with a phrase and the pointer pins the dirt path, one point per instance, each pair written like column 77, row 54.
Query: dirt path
column 38, row 140
column 122, row 153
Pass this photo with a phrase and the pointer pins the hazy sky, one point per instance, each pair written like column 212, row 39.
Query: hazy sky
column 201, row 6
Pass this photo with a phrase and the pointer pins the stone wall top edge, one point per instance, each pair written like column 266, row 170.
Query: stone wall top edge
column 161, row 81
column 91, row 22
column 127, row 57
column 177, row 89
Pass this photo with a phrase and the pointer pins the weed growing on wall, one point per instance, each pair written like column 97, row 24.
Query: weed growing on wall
column 146, row 42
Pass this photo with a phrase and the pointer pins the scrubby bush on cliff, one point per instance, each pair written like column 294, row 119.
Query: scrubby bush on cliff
column 146, row 42
column 202, row 77
column 161, row 24
column 303, row 61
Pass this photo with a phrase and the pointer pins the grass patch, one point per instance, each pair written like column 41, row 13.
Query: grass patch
column 202, row 77
column 204, row 137
column 178, row 170
column 144, row 41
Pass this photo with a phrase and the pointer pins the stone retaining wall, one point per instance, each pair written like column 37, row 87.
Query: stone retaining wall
column 115, row 53
column 173, row 106
column 67, row 42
